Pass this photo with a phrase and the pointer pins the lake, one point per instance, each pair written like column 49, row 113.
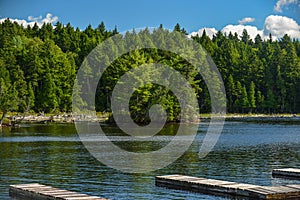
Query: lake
column 52, row 154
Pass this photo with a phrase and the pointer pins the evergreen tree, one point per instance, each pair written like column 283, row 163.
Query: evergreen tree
column 38, row 67
column 230, row 92
column 281, row 93
column 260, row 103
column 270, row 102
column 238, row 97
column 252, row 101
column 244, row 100
column 30, row 98
column 8, row 98
column 245, row 38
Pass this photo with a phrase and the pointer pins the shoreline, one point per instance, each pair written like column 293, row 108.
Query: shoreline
column 69, row 118
column 15, row 120
column 260, row 118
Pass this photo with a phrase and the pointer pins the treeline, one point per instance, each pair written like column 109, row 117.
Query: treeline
column 260, row 76
column 38, row 67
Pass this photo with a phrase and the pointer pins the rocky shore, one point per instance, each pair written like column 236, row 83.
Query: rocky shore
column 262, row 118
column 14, row 120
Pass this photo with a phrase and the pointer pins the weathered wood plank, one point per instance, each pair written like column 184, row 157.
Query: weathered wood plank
column 37, row 191
column 227, row 188
column 289, row 173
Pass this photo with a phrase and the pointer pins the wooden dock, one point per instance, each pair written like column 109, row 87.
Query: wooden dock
column 289, row 173
column 37, row 191
column 227, row 188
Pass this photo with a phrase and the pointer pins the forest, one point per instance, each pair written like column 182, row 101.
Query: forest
column 38, row 66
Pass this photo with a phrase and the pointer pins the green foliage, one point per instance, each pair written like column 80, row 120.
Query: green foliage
column 269, row 69
column 252, row 101
column 8, row 98
column 38, row 67
column 245, row 101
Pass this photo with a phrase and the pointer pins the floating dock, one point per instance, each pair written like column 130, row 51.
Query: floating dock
column 37, row 191
column 289, row 173
column 227, row 188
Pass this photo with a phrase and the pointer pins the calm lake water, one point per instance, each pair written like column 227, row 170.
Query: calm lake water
column 53, row 155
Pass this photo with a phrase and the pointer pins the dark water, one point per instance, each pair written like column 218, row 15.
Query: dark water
column 53, row 155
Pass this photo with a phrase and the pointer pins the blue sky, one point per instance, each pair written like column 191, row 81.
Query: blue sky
column 190, row 14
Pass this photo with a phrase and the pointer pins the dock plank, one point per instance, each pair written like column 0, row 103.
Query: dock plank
column 227, row 188
column 288, row 173
column 37, row 191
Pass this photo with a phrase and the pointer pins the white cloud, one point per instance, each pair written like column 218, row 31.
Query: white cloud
column 19, row 21
column 278, row 26
column 246, row 20
column 252, row 30
column 32, row 20
column 281, row 3
column 49, row 19
column 209, row 32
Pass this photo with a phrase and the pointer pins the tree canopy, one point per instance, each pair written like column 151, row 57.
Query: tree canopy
column 38, row 66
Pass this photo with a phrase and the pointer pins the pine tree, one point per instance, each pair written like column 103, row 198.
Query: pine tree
column 245, row 38
column 252, row 101
column 230, row 93
column 30, row 98
column 258, row 41
column 244, row 100
column 260, row 103
column 238, row 97
column 101, row 28
column 270, row 101
column 281, row 93
column 8, row 98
